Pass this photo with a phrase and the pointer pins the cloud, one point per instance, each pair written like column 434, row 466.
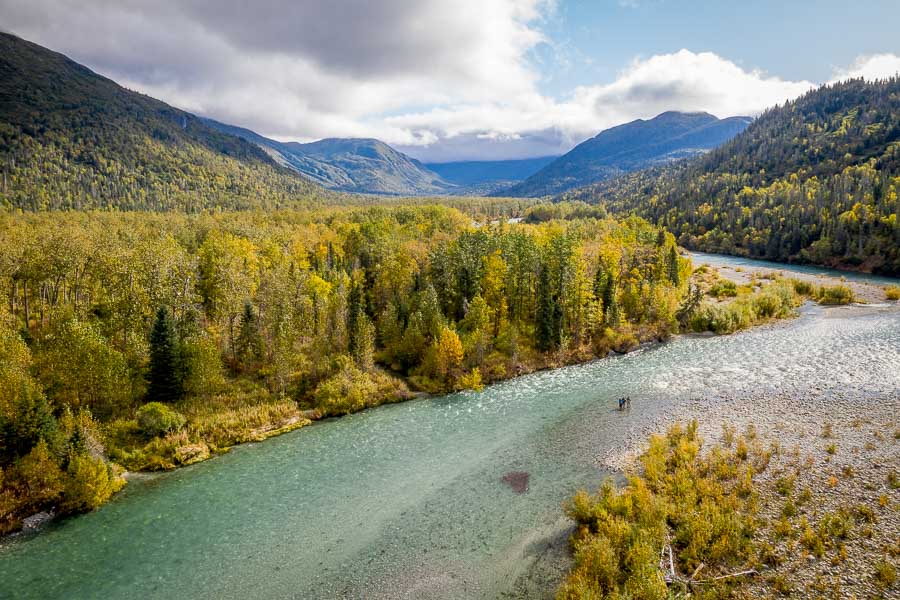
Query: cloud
column 441, row 80
column 533, row 125
column 871, row 67
column 298, row 69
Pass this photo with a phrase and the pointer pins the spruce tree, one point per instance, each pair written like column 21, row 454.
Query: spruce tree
column 545, row 317
column 165, row 379
column 360, row 332
column 609, row 299
column 249, row 343
column 674, row 277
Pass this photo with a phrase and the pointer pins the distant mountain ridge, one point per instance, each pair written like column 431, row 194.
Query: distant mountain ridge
column 359, row 165
column 630, row 147
column 489, row 173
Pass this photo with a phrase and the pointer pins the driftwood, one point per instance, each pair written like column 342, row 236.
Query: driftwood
column 671, row 576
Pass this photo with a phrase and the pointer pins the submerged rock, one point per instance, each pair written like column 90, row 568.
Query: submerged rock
column 517, row 480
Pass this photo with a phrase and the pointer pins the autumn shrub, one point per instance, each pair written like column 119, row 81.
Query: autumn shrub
column 723, row 288
column 89, row 483
column 156, row 419
column 836, row 294
column 892, row 292
column 349, row 390
column 805, row 288
column 885, row 574
column 690, row 502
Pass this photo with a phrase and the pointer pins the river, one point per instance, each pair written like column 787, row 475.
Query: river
column 407, row 500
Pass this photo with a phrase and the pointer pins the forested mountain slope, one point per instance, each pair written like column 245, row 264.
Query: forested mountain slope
column 628, row 147
column 70, row 138
column 815, row 180
column 361, row 165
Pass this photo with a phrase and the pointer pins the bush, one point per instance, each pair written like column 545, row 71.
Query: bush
column 885, row 574
column 89, row 484
column 350, row 390
column 837, row 294
column 156, row 419
column 892, row 292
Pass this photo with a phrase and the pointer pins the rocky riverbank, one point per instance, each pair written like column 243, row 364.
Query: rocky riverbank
column 835, row 460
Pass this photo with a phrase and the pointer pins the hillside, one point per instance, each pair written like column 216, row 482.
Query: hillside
column 815, row 180
column 70, row 138
column 361, row 165
column 629, row 147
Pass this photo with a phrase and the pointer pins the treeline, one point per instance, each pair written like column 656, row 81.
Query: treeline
column 164, row 337
column 816, row 180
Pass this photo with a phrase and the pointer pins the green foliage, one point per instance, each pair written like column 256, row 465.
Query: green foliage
column 81, row 368
column 166, row 373
column 156, row 419
column 249, row 345
column 90, row 483
column 774, row 301
column 349, row 390
column 838, row 294
column 815, row 180
column 885, row 574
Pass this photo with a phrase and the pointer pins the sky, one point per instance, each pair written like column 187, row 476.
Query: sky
column 447, row 80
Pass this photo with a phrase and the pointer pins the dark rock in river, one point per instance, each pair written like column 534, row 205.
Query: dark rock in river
column 517, row 480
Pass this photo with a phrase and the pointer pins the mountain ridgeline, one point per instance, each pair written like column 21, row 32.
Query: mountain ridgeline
column 816, row 180
column 359, row 165
column 71, row 139
column 630, row 147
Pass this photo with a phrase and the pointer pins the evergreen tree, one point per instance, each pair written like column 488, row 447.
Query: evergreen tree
column 360, row 331
column 609, row 299
column 672, row 267
column 249, row 347
column 546, row 330
column 166, row 371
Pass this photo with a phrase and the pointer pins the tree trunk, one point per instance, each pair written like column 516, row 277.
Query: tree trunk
column 27, row 312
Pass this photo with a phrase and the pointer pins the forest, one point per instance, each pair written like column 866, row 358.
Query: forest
column 815, row 180
column 156, row 339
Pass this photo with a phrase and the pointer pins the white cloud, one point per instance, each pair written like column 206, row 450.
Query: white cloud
column 684, row 80
column 442, row 80
column 871, row 67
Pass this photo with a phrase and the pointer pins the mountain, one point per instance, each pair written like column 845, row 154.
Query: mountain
column 816, row 180
column 487, row 176
column 70, row 138
column 349, row 164
column 629, row 147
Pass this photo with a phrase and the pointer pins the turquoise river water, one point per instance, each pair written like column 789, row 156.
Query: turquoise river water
column 407, row 500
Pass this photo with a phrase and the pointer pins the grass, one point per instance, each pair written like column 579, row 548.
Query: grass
column 892, row 292
column 885, row 574
column 214, row 423
column 823, row 294
column 774, row 301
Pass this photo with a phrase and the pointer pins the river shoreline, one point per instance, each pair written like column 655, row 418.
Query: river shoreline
column 843, row 441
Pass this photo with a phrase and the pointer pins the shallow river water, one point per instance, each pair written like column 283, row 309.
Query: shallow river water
column 408, row 500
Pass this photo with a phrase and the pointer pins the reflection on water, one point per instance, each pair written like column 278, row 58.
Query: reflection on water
column 408, row 498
